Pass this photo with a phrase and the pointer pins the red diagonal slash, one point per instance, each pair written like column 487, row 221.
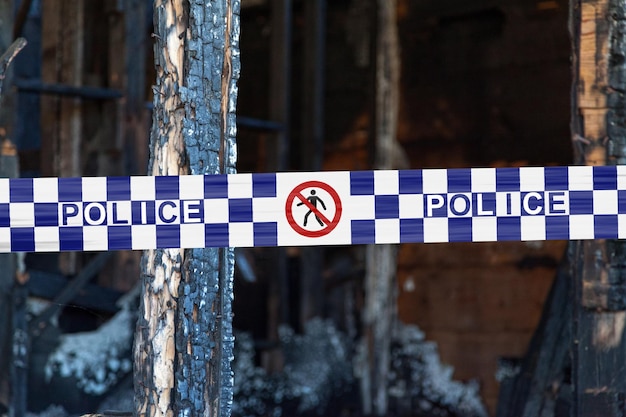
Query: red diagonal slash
column 314, row 209
column 297, row 193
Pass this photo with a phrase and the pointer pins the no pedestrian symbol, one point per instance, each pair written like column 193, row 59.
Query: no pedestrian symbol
column 313, row 209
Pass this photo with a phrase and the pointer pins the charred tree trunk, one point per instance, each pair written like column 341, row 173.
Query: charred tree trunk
column 379, row 312
column 598, row 128
column 184, row 336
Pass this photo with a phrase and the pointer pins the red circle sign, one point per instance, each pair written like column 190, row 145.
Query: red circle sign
column 330, row 223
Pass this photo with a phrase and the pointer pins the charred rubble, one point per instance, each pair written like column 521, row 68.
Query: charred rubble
column 319, row 376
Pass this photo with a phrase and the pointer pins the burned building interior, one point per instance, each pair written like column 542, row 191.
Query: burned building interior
column 484, row 83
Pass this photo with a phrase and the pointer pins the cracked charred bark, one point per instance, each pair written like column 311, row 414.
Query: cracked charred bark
column 599, row 132
column 183, row 343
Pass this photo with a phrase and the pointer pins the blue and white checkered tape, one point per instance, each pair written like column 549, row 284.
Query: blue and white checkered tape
column 312, row 208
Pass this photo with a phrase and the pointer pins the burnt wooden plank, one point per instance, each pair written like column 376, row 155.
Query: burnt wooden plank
column 38, row 324
column 542, row 379
column 380, row 305
column 598, row 122
column 49, row 285
column 277, row 159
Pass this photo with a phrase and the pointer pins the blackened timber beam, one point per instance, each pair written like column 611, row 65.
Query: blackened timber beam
column 259, row 124
column 49, row 285
column 277, row 151
column 312, row 147
column 598, row 117
column 20, row 18
column 69, row 292
column 64, row 90
column 541, row 385
column 312, row 135
column 280, row 80
column 7, row 57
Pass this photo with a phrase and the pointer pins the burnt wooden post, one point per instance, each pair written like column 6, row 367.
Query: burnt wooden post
column 183, row 343
column 312, row 148
column 13, row 337
column 599, row 135
column 62, row 62
column 277, row 151
column 379, row 311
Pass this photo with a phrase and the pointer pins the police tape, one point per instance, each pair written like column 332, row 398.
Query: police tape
column 312, row 208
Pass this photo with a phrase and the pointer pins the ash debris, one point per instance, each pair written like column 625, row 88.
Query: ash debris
column 319, row 377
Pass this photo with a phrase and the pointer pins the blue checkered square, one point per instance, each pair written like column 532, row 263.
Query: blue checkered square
column 167, row 188
column 23, row 239
column 71, row 238
column 240, row 210
column 215, row 186
column 411, row 230
column 410, row 182
column 507, row 179
column 216, row 235
column 581, row 202
column 605, row 226
column 557, row 227
column 605, row 178
column 46, row 214
column 556, row 178
column 70, row 189
column 387, row 206
column 362, row 183
column 459, row 181
column 5, row 218
column 509, row 228
column 363, row 231
column 120, row 237
column 21, row 190
column 118, row 188
column 460, row 229
column 264, row 185
column 266, row 234
column 621, row 201
column 167, row 235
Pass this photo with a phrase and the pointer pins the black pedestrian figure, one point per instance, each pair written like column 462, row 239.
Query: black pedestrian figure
column 313, row 199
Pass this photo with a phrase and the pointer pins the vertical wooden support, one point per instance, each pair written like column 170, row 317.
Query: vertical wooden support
column 312, row 147
column 541, row 387
column 381, row 260
column 13, row 293
column 12, row 369
column 61, row 120
column 598, row 127
column 277, row 151
column 280, row 80
column 135, row 123
column 62, row 49
column 184, row 342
